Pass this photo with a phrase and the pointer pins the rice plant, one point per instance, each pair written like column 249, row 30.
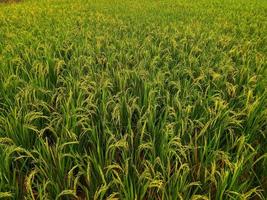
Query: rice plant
column 133, row 99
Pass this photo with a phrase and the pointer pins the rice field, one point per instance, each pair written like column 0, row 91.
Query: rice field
column 135, row 100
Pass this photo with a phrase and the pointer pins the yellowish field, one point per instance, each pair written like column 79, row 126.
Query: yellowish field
column 133, row 100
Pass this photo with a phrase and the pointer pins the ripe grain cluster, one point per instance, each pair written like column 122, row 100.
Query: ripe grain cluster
column 145, row 99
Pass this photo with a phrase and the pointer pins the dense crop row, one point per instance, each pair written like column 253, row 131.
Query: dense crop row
column 133, row 99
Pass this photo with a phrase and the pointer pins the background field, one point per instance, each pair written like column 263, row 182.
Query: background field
column 114, row 99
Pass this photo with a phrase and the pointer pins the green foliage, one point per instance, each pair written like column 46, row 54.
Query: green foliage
column 133, row 99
